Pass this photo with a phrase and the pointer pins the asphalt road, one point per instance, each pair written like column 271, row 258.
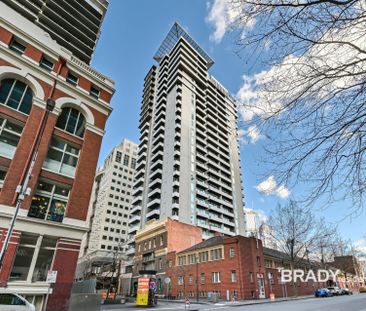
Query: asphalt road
column 356, row 302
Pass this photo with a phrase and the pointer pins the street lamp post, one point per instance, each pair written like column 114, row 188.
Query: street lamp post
column 23, row 190
column 197, row 298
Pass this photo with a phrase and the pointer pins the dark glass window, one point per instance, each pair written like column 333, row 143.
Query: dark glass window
column 49, row 202
column 72, row 79
column 72, row 121
column 16, row 46
column 46, row 64
column 16, row 95
column 11, row 300
column 2, row 174
column 94, row 92
column 126, row 159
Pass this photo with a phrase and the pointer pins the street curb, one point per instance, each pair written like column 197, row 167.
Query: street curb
column 182, row 302
column 240, row 304
column 264, row 302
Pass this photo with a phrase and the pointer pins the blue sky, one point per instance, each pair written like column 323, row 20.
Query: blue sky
column 131, row 34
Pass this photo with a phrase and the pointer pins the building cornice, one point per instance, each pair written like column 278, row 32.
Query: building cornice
column 42, row 74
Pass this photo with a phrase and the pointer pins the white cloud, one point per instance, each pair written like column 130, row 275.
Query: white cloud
column 223, row 14
column 267, row 186
column 250, row 135
column 254, row 134
column 270, row 187
column 266, row 93
column 282, row 192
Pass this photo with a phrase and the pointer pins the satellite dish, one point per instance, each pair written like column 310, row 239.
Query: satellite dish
column 167, row 280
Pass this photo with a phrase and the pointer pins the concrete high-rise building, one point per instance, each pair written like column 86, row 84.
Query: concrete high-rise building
column 109, row 209
column 188, row 165
column 251, row 222
column 74, row 24
column 36, row 72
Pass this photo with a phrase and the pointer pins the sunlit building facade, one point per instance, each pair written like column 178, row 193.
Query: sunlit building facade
column 188, row 165
column 53, row 217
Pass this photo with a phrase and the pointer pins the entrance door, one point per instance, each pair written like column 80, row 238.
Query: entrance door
column 261, row 290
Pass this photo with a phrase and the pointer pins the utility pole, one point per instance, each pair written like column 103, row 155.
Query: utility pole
column 23, row 190
column 197, row 298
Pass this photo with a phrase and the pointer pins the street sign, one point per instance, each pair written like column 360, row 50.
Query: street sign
column 167, row 280
column 51, row 276
column 187, row 304
column 142, row 298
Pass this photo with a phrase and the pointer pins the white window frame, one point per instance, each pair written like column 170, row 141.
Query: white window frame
column 216, row 277
column 64, row 152
column 51, row 195
column 76, row 123
column 37, row 248
column 234, row 276
column 180, row 280
column 4, row 129
column 21, row 99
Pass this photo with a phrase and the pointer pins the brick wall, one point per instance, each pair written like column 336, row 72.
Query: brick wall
column 177, row 230
column 248, row 260
column 84, row 177
column 17, row 166
column 64, row 263
column 5, row 36
column 10, row 254
column 66, row 255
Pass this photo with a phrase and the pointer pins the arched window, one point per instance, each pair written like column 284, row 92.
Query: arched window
column 16, row 95
column 72, row 121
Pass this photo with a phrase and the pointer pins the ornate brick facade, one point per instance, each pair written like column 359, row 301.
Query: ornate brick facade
column 37, row 236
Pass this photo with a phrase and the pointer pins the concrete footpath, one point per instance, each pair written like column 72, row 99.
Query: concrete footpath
column 240, row 302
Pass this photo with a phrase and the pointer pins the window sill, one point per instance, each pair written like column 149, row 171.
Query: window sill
column 57, row 173
column 72, row 135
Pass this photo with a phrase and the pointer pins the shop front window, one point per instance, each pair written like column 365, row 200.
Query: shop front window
column 49, row 202
column 33, row 258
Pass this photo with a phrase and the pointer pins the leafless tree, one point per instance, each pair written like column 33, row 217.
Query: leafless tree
column 310, row 98
column 297, row 233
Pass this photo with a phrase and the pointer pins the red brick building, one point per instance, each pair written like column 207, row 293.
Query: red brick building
column 227, row 266
column 154, row 242
column 236, row 267
column 52, row 219
column 230, row 267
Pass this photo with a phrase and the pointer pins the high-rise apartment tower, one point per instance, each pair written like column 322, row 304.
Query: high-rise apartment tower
column 188, row 165
column 74, row 24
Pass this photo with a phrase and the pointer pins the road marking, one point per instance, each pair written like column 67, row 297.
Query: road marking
column 171, row 308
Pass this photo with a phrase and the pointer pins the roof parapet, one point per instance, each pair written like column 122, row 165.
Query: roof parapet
column 171, row 40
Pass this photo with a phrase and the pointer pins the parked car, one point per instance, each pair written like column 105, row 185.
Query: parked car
column 14, row 302
column 335, row 291
column 363, row 289
column 346, row 291
column 322, row 292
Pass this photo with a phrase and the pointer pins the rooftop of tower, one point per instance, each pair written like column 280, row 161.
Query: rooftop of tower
column 171, row 40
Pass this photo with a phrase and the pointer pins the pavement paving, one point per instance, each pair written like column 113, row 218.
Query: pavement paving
column 356, row 302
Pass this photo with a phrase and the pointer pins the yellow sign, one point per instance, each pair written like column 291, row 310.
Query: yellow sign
column 143, row 292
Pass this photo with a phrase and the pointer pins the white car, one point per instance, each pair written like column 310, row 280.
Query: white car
column 14, row 302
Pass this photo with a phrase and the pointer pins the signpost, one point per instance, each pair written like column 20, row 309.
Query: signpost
column 143, row 292
column 51, row 279
column 51, row 276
